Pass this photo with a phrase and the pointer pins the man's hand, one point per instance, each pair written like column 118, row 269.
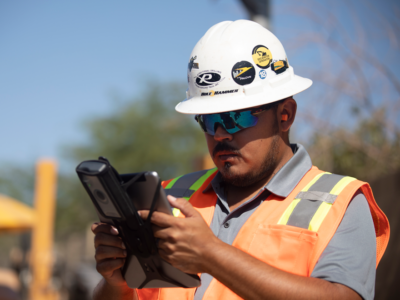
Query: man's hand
column 184, row 242
column 110, row 253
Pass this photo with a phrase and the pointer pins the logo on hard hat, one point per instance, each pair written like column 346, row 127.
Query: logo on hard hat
column 262, row 56
column 192, row 64
column 243, row 73
column 208, row 79
column 214, row 93
column 279, row 66
column 263, row 74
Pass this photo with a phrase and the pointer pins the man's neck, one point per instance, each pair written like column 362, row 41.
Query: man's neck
column 237, row 195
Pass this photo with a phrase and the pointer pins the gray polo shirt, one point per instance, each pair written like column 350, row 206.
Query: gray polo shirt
column 350, row 256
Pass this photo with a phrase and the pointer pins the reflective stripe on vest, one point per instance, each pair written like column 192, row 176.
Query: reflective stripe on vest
column 312, row 204
column 186, row 185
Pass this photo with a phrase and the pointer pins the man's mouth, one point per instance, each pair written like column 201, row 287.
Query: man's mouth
column 225, row 152
column 226, row 155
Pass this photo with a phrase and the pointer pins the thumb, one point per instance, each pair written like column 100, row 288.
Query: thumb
column 184, row 206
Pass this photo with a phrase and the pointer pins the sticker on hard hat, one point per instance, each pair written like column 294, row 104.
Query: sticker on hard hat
column 262, row 56
column 192, row 64
column 208, row 79
column 243, row 73
column 214, row 93
column 279, row 66
column 263, row 74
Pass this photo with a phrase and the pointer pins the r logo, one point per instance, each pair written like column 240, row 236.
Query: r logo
column 207, row 79
column 204, row 78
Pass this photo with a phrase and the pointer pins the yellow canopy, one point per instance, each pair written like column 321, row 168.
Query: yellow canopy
column 14, row 215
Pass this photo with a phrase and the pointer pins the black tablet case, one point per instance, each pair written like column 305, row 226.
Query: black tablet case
column 143, row 268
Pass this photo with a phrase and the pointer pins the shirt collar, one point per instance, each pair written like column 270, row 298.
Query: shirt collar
column 286, row 179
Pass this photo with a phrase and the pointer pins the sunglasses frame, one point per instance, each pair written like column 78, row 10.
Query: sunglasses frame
column 254, row 110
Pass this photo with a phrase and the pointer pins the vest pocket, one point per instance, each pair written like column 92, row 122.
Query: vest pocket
column 285, row 247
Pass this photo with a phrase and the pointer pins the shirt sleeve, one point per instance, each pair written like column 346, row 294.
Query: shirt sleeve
column 350, row 257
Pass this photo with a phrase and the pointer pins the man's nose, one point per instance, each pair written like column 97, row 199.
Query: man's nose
column 222, row 135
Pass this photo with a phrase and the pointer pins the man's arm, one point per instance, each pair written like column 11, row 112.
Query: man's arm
column 110, row 257
column 189, row 245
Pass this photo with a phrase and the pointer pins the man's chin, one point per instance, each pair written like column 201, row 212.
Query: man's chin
column 231, row 175
column 240, row 176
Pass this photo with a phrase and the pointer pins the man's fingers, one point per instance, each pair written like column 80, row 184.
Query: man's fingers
column 184, row 206
column 107, row 267
column 158, row 218
column 105, row 239
column 103, row 227
column 164, row 234
column 164, row 220
column 143, row 214
column 107, row 252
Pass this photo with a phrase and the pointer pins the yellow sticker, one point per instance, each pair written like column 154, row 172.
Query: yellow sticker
column 262, row 57
column 278, row 65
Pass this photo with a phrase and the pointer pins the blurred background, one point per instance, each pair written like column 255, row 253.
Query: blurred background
column 79, row 79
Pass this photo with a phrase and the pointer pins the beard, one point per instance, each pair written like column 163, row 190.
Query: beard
column 265, row 170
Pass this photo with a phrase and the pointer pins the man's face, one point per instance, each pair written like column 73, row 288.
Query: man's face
column 247, row 156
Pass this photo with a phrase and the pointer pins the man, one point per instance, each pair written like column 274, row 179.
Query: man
column 266, row 224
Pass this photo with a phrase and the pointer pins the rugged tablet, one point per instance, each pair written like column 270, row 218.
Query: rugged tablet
column 117, row 198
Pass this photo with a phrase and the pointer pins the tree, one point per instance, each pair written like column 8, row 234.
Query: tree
column 145, row 134
column 366, row 153
column 350, row 117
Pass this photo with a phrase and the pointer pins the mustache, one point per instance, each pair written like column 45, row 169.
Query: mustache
column 220, row 147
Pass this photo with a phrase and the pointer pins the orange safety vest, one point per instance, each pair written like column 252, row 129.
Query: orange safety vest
column 277, row 233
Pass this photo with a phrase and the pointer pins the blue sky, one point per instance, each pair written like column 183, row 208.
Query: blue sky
column 62, row 62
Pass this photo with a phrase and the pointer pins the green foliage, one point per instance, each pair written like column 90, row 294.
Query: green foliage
column 145, row 134
column 367, row 153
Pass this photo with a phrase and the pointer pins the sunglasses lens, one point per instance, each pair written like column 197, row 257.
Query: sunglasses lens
column 244, row 118
column 231, row 121
column 227, row 120
column 199, row 119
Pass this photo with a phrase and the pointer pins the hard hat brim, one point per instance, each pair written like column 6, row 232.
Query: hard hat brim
column 246, row 97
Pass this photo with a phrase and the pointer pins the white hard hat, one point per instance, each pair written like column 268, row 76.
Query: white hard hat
column 238, row 65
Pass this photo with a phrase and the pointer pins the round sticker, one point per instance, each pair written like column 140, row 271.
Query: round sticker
column 262, row 56
column 279, row 66
column 243, row 72
column 263, row 74
column 205, row 79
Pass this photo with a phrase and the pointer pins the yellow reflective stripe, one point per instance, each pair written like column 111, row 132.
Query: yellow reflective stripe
column 305, row 189
column 195, row 186
column 285, row 217
column 338, row 188
column 324, row 208
column 199, row 182
column 175, row 212
column 319, row 216
column 172, row 182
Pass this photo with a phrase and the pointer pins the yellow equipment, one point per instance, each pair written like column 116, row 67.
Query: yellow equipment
column 14, row 215
column 42, row 236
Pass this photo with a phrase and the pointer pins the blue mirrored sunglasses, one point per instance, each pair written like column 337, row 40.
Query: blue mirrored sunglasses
column 232, row 121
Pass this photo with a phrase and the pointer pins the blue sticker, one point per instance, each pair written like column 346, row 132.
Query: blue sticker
column 263, row 74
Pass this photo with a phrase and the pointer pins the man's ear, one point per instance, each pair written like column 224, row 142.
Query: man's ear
column 286, row 114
